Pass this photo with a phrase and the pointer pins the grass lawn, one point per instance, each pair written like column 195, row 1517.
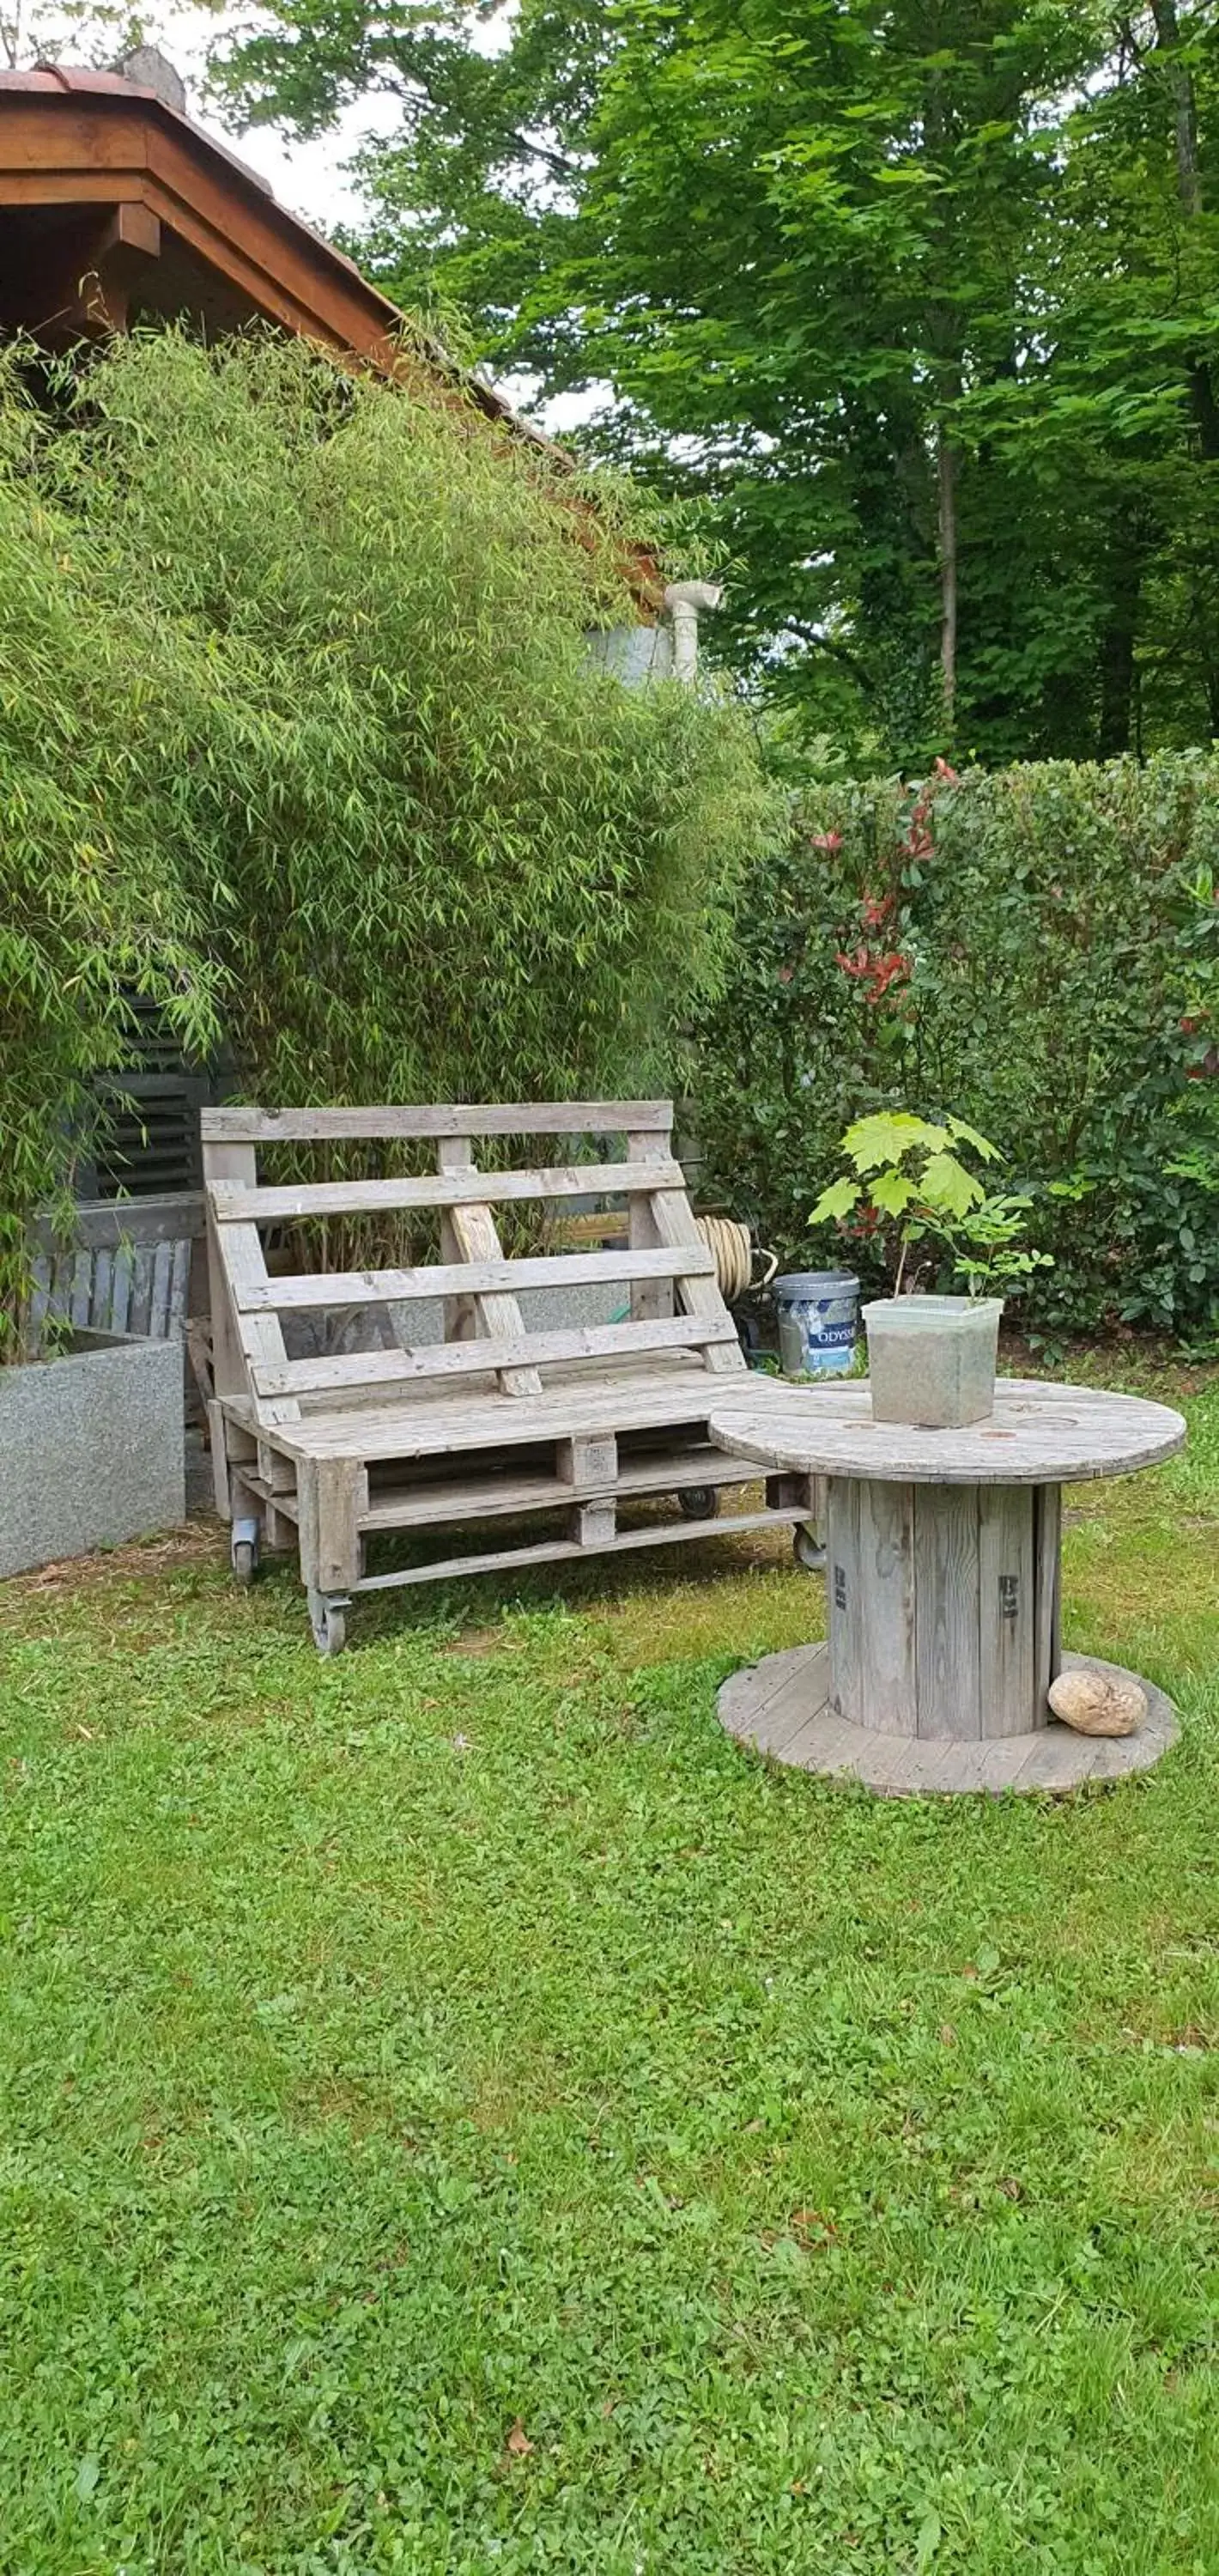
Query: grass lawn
column 460, row 2114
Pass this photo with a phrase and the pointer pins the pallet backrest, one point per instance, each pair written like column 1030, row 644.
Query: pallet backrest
column 676, row 1306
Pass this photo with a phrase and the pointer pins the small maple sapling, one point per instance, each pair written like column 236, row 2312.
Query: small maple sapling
column 911, row 1185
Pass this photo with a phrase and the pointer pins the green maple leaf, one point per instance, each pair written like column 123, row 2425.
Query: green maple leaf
column 836, row 1201
column 947, row 1187
column 888, row 1136
column 892, row 1192
column 964, row 1134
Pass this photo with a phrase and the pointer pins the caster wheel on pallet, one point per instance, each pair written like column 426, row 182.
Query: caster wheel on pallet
column 699, row 1502
column 328, row 1620
column 807, row 1548
column 243, row 1552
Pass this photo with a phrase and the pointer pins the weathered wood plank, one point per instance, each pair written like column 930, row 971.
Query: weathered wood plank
column 946, row 1610
column 674, row 1225
column 555, row 1550
column 179, row 1286
column 82, row 1288
column 257, row 1335
column 218, row 1434
column 885, row 1646
column 1047, row 1642
column 341, row 1370
column 1038, row 1434
column 120, row 1290
column 267, row 1205
column 99, row 1303
column 235, row 1163
column 162, row 1279
column 501, row 1495
column 459, row 1118
column 331, row 1499
column 1006, row 1610
column 593, row 1524
column 650, row 1298
column 470, row 1236
column 843, row 1590
column 587, row 1461
column 141, row 1288
column 335, row 1288
column 661, row 1398
column 40, row 1298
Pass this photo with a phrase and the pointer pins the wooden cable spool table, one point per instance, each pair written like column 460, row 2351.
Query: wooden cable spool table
column 943, row 1581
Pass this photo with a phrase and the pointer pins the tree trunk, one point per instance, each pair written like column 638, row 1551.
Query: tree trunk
column 1180, row 81
column 948, row 572
column 1119, row 639
column 1184, row 104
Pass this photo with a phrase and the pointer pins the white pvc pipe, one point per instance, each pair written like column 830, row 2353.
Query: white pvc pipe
column 684, row 599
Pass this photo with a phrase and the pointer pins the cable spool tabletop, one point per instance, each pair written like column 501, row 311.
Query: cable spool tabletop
column 944, row 1585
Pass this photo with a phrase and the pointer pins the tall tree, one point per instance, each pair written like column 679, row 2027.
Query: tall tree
column 916, row 296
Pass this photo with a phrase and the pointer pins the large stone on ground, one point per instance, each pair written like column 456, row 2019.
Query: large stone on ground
column 1095, row 1705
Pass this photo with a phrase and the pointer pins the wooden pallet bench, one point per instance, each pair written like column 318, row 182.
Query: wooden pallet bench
column 493, row 1422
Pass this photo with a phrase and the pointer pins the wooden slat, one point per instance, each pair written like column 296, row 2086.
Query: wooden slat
column 431, row 1360
column 267, row 1205
column 82, row 1287
column 665, row 1535
column 162, row 1280
column 885, row 1635
column 326, row 1289
column 843, row 1586
column 179, row 1286
column 649, row 1297
column 1006, row 1610
column 468, row 1232
column 331, row 1498
column 237, row 1163
column 103, row 1265
column 661, row 1398
column 673, row 1224
column 460, row 1118
column 501, row 1496
column 261, row 1336
column 946, row 1593
column 1047, row 1611
column 40, row 1273
column 120, row 1290
column 141, row 1288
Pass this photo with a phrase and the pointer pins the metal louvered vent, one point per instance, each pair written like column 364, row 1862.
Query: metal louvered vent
column 148, row 1141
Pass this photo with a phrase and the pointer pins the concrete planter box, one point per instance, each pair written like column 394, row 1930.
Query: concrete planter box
column 91, row 1449
column 931, row 1360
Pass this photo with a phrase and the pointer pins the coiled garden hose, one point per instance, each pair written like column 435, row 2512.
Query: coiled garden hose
column 732, row 1248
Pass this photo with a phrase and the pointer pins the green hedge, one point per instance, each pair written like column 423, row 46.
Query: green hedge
column 1037, row 950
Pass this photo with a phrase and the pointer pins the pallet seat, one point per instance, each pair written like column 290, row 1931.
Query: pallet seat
column 496, row 1420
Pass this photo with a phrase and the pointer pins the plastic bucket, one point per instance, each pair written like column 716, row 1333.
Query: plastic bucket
column 931, row 1360
column 818, row 1313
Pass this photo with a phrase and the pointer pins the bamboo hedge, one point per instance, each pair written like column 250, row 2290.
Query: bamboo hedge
column 299, row 735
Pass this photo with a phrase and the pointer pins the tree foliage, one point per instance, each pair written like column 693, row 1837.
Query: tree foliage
column 1036, row 951
column 920, row 298
column 299, row 733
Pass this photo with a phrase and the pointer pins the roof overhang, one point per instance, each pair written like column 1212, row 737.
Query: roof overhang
column 114, row 205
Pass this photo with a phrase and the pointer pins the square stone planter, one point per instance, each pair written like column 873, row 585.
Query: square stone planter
column 91, row 1449
column 931, row 1360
